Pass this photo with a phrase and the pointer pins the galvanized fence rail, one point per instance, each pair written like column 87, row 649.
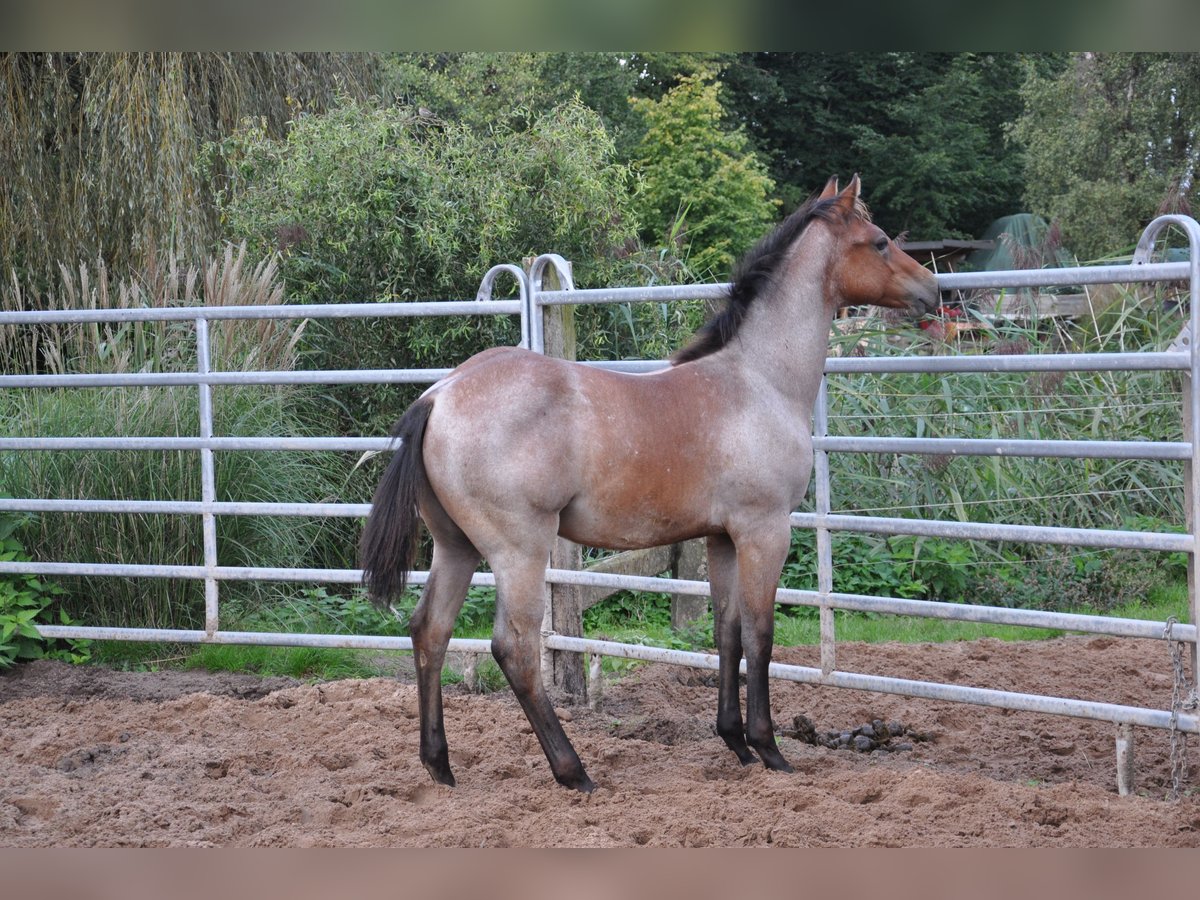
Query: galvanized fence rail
column 1184, row 358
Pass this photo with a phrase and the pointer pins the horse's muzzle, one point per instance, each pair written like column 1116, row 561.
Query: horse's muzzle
column 923, row 296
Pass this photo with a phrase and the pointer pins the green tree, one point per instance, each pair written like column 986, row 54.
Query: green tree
column 702, row 184
column 1110, row 143
column 925, row 130
column 99, row 149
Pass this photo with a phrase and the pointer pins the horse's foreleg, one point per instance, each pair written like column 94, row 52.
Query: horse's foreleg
column 727, row 632
column 431, row 625
column 517, row 646
column 761, row 555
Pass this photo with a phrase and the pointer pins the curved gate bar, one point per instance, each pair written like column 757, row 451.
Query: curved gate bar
column 484, row 294
column 1142, row 256
column 537, row 272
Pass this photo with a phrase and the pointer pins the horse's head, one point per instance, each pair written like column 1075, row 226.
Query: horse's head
column 868, row 267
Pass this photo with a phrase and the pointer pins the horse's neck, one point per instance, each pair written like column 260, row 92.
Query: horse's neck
column 785, row 338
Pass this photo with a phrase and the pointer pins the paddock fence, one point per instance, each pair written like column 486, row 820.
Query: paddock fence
column 546, row 285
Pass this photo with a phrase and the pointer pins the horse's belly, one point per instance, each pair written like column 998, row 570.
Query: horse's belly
column 631, row 527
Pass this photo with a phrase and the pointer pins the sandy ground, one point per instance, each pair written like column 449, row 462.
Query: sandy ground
column 100, row 758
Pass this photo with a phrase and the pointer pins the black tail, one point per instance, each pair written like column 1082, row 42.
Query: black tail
column 389, row 539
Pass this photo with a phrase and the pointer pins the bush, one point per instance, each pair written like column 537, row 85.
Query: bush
column 26, row 601
column 392, row 205
column 703, row 186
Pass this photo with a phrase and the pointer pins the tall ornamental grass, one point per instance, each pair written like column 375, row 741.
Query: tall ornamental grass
column 166, row 411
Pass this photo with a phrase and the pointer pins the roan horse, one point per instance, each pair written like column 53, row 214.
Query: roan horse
column 512, row 449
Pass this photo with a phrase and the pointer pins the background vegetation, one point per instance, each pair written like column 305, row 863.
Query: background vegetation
column 358, row 177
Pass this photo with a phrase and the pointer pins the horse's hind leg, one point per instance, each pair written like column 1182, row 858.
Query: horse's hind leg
column 727, row 631
column 432, row 622
column 517, row 645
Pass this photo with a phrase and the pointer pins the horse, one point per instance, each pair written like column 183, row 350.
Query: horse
column 513, row 449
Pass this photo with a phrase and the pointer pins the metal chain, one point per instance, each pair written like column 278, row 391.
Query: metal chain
column 1183, row 698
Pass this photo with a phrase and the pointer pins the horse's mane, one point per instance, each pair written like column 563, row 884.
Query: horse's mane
column 753, row 272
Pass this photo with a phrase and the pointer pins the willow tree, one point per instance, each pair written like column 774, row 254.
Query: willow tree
column 100, row 150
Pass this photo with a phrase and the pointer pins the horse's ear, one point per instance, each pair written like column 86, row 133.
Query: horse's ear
column 847, row 200
column 831, row 188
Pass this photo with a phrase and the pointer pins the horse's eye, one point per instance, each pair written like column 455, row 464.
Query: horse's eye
column 882, row 245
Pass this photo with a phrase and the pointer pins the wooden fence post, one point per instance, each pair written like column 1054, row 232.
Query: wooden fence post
column 562, row 671
column 690, row 562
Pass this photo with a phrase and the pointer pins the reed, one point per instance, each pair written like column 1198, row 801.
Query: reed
column 1120, row 494
column 237, row 345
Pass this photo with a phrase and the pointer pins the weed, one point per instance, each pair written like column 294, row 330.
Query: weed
column 26, row 601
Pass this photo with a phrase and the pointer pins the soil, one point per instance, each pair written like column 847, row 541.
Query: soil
column 94, row 757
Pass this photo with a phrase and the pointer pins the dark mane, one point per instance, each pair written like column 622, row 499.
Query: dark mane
column 751, row 274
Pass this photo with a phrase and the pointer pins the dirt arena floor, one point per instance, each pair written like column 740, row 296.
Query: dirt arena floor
column 100, row 758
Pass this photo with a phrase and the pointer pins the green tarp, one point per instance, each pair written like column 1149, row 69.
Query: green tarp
column 1022, row 241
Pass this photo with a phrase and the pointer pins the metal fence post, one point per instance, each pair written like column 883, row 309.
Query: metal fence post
column 1191, row 491
column 1191, row 467
column 208, row 480
column 824, row 539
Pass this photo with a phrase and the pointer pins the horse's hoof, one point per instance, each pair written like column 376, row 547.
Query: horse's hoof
column 440, row 775
column 775, row 762
column 582, row 783
column 744, row 754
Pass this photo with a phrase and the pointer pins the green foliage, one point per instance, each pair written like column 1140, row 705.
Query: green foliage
column 26, row 601
column 1110, row 142
column 926, row 130
column 317, row 611
column 629, row 607
column 938, row 166
column 700, row 178
column 393, row 205
column 645, row 618
column 794, row 627
column 479, row 90
column 475, row 618
column 897, row 566
column 483, row 89
column 320, row 663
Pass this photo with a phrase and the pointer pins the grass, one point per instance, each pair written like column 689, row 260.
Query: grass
column 305, row 663
column 318, row 663
column 795, row 626
column 1162, row 601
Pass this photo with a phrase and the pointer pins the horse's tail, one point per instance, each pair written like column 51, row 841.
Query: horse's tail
column 389, row 539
